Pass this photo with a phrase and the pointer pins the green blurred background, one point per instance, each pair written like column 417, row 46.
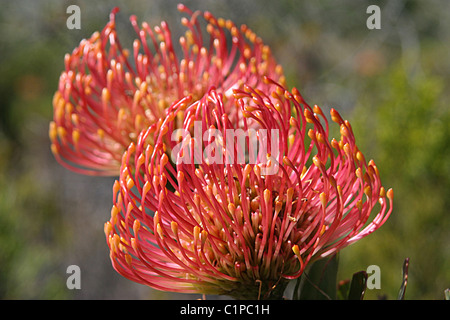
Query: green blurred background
column 391, row 84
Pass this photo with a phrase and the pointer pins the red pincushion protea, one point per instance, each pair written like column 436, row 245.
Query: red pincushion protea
column 107, row 95
column 225, row 227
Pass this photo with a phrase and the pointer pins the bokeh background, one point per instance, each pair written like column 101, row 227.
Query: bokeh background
column 392, row 84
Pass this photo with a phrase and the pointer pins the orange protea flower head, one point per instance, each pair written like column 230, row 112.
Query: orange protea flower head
column 107, row 94
column 204, row 220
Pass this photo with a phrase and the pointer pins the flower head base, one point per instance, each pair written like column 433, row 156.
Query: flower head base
column 108, row 94
column 233, row 228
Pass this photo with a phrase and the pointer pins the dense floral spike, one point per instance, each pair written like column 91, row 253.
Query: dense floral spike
column 207, row 222
column 108, row 94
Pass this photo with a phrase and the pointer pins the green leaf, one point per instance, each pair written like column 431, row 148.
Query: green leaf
column 401, row 294
column 342, row 289
column 319, row 282
column 358, row 286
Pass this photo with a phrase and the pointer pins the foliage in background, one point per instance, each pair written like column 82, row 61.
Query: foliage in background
column 403, row 122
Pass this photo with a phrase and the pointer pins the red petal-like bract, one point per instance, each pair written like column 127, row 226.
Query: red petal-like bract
column 107, row 94
column 195, row 222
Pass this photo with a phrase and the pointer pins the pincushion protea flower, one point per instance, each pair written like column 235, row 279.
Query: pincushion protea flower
column 224, row 227
column 108, row 94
